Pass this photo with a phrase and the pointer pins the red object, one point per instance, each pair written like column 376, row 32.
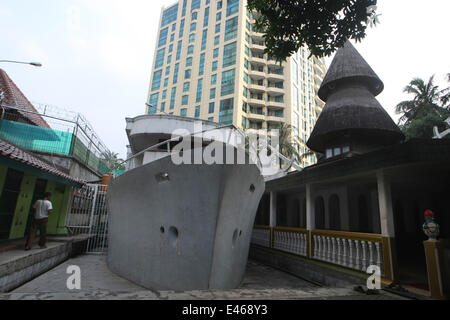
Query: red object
column 429, row 214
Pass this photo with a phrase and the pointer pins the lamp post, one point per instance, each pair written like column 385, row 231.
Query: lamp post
column 34, row 64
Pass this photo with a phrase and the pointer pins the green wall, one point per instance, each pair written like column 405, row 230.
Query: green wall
column 60, row 202
column 23, row 207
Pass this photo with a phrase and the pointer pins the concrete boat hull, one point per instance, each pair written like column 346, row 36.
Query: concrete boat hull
column 183, row 227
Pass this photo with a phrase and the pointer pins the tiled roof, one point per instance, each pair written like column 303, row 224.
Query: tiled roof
column 14, row 97
column 15, row 153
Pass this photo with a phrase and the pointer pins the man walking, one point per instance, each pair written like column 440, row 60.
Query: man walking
column 42, row 208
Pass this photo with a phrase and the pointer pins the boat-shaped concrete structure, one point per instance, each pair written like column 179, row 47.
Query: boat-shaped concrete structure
column 181, row 227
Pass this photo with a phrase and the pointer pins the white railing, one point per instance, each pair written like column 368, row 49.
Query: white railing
column 351, row 250
column 261, row 237
column 291, row 240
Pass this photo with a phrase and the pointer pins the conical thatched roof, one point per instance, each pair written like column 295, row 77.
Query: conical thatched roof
column 352, row 113
column 348, row 64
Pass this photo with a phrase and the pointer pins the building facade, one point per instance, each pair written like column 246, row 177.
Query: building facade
column 209, row 63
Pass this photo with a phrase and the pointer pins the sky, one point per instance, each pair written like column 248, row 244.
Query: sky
column 97, row 54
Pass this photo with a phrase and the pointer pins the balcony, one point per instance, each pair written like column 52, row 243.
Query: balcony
column 257, row 88
column 275, row 75
column 275, row 104
column 256, row 117
column 257, row 74
column 256, row 102
column 257, row 46
column 275, row 91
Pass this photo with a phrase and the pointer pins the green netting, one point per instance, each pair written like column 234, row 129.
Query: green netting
column 36, row 138
column 103, row 168
column 79, row 151
column 53, row 141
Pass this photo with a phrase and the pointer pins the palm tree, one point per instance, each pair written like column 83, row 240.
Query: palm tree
column 445, row 99
column 112, row 160
column 427, row 98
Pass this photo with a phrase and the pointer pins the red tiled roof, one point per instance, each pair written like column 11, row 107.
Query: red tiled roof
column 14, row 97
column 15, row 153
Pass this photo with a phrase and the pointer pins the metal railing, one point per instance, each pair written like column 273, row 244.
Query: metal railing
column 87, row 215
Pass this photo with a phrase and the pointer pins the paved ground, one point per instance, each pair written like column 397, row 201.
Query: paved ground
column 98, row 283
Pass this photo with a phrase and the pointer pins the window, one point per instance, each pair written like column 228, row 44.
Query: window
column 170, row 48
column 212, row 93
column 181, row 29
column 218, row 28
column 169, row 15
column 164, row 95
column 214, row 66
column 163, row 107
column 228, row 81
column 189, row 62
column 245, row 77
column 219, row 5
column 206, row 19
column 231, row 28
column 160, row 58
column 197, row 112
column 211, row 107
column 153, row 103
column 191, row 38
column 204, row 38
column 215, row 53
column 183, row 112
column 232, row 7
column 172, row 37
column 213, row 79
column 174, row 26
column 211, row 119
column 216, row 40
column 185, row 100
column 193, row 26
column 169, row 59
column 202, row 64
column 186, row 86
column 172, row 98
column 183, row 12
column 226, row 111
column 166, row 82
column 156, row 83
column 219, row 16
column 229, row 55
column 187, row 74
column 167, row 71
column 247, row 51
column 163, row 37
column 191, row 49
column 195, row 5
column 246, row 63
column 180, row 43
column 199, row 90
column 175, row 73
column 194, row 16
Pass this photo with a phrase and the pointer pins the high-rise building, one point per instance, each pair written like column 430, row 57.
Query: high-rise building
column 210, row 64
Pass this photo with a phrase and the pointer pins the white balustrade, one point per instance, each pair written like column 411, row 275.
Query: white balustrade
column 350, row 253
column 261, row 237
column 291, row 242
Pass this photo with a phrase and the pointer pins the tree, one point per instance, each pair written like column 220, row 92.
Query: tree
column 424, row 112
column 112, row 160
column 322, row 25
column 445, row 99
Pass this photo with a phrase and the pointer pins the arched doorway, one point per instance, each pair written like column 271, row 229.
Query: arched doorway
column 335, row 212
column 320, row 213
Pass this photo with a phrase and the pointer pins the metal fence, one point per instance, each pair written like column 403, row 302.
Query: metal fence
column 69, row 134
column 87, row 215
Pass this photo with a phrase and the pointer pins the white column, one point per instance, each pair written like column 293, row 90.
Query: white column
column 385, row 204
column 273, row 209
column 310, row 216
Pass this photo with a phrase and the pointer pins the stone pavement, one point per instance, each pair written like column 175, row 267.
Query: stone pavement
column 98, row 283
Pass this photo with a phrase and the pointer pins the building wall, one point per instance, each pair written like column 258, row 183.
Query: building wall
column 301, row 82
column 60, row 200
